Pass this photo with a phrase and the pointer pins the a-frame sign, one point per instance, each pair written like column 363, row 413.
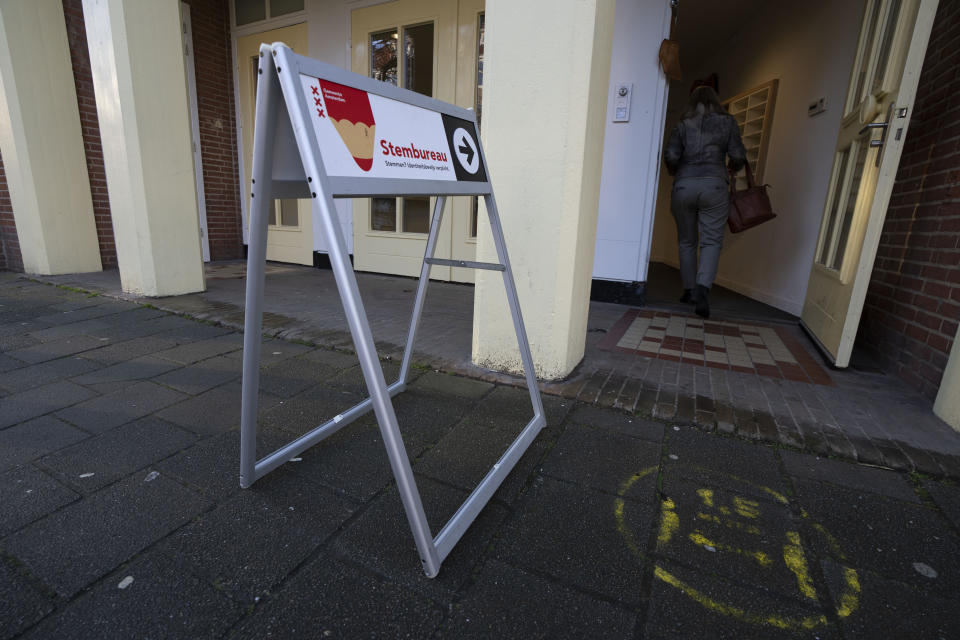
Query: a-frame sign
column 322, row 133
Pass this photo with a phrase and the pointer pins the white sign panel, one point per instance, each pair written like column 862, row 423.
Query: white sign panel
column 364, row 135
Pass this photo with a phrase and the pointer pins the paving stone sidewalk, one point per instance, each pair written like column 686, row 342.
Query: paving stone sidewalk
column 856, row 414
column 121, row 514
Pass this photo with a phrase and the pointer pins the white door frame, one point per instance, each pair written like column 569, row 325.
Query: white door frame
column 238, row 32
column 658, row 124
column 188, row 60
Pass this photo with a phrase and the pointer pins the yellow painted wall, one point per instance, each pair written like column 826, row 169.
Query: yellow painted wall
column 136, row 55
column 41, row 142
column 546, row 73
column 947, row 405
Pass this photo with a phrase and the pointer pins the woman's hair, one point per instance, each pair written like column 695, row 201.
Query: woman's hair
column 707, row 97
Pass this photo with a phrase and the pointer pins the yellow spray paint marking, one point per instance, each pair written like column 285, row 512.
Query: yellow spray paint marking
column 707, row 496
column 850, row 597
column 669, row 522
column 831, row 541
column 774, row 620
column 793, row 556
column 746, row 508
column 796, row 561
column 742, row 507
column 618, row 506
column 730, row 524
column 698, row 538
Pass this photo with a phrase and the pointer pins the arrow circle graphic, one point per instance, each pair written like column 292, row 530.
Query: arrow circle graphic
column 466, row 150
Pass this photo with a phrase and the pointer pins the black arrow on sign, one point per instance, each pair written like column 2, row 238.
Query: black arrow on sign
column 467, row 150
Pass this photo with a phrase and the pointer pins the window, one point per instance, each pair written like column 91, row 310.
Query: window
column 409, row 65
column 383, row 56
column 843, row 204
column 248, row 11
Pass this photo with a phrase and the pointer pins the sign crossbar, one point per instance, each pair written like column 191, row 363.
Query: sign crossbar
column 302, row 104
column 443, row 262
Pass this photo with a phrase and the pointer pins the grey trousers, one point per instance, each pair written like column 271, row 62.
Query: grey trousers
column 700, row 207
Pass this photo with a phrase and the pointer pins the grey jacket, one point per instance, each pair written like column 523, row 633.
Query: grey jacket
column 698, row 146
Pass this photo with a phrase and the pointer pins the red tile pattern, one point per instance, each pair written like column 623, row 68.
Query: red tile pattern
column 766, row 350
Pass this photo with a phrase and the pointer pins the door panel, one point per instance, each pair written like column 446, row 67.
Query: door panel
column 390, row 234
column 469, row 93
column 883, row 84
column 195, row 128
column 290, row 234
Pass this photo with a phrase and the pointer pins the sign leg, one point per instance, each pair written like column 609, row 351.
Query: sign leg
column 514, row 302
column 376, row 385
column 422, row 287
column 268, row 98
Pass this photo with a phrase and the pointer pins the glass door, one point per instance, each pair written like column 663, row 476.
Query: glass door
column 432, row 47
column 883, row 84
column 465, row 211
column 403, row 57
column 290, row 233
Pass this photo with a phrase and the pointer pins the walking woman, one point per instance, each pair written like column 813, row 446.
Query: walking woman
column 695, row 156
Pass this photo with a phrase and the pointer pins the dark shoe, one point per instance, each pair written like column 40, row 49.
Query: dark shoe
column 703, row 304
column 687, row 296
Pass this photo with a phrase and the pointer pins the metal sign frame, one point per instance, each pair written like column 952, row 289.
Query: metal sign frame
column 287, row 163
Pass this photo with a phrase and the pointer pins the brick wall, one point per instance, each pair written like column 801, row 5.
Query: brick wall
column 90, row 128
column 210, row 22
column 913, row 303
column 10, row 258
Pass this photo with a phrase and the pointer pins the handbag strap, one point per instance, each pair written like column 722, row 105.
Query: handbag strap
column 733, row 178
column 749, row 176
column 673, row 20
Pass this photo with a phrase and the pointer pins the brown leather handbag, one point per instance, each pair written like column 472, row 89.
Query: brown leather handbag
column 748, row 207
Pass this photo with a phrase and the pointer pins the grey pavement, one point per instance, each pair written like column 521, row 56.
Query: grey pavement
column 863, row 415
column 121, row 514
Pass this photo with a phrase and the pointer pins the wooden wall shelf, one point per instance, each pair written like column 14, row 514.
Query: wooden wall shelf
column 753, row 111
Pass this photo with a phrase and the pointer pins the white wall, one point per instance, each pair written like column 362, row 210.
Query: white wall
column 631, row 154
column 809, row 47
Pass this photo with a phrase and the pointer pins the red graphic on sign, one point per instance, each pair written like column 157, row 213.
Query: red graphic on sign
column 351, row 115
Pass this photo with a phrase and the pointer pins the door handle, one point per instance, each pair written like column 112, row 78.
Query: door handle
column 873, row 125
column 883, row 132
column 876, row 125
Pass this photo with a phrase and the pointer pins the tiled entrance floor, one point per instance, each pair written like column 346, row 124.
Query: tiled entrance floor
column 766, row 350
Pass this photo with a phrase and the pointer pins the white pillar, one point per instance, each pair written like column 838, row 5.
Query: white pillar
column 41, row 142
column 947, row 405
column 546, row 73
column 137, row 60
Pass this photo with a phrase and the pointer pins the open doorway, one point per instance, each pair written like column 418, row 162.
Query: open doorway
column 805, row 52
